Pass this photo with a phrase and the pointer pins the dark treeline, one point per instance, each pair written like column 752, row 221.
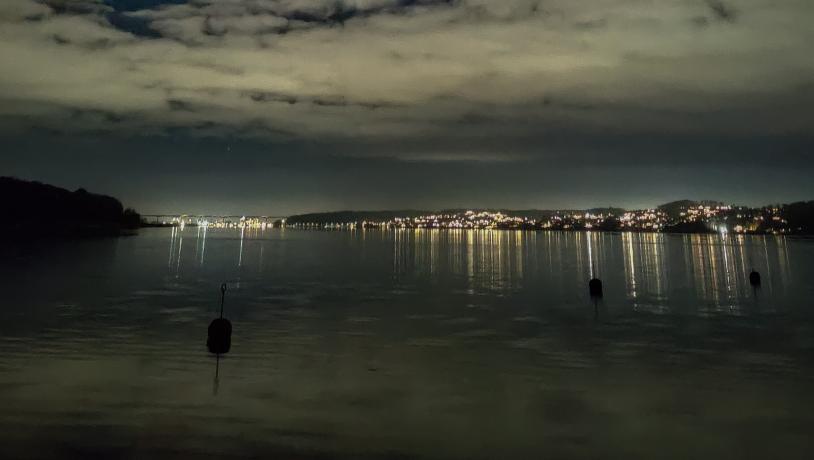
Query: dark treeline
column 800, row 216
column 40, row 209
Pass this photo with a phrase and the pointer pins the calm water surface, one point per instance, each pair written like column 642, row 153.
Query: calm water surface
column 413, row 344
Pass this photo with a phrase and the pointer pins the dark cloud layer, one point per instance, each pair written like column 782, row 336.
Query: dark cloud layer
column 319, row 104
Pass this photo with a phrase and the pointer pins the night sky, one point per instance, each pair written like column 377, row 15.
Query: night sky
column 276, row 107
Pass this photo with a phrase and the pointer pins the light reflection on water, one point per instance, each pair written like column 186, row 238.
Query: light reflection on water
column 662, row 273
column 420, row 343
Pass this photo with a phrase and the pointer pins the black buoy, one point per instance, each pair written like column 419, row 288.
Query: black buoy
column 754, row 279
column 220, row 330
column 595, row 288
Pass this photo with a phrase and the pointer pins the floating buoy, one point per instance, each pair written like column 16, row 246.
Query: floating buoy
column 595, row 288
column 754, row 279
column 220, row 336
column 220, row 330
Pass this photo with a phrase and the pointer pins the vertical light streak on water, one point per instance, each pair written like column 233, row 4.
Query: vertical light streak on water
column 457, row 252
column 396, row 236
column 172, row 248
column 426, row 252
column 480, row 254
column 550, row 253
column 710, row 269
column 743, row 273
column 446, row 251
column 410, row 251
column 599, row 250
column 532, row 251
column 463, row 248
column 654, row 286
column 410, row 245
column 692, row 261
column 240, row 256
column 413, row 257
column 426, row 236
column 510, row 256
column 737, row 267
column 663, row 264
column 610, row 249
column 493, row 257
column 180, row 245
column 401, row 249
column 521, row 247
column 203, row 244
column 197, row 239
column 648, row 271
column 561, row 243
column 588, row 238
column 470, row 265
column 516, row 245
column 645, row 254
column 434, row 236
column 486, row 255
column 416, row 260
column 514, row 257
column 448, row 257
column 783, row 260
column 419, row 260
column 580, row 252
column 689, row 267
column 502, row 256
column 708, row 277
column 767, row 262
column 630, row 267
column 725, row 247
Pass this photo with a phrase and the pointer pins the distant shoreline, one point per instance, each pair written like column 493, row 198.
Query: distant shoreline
column 528, row 230
column 549, row 230
column 680, row 217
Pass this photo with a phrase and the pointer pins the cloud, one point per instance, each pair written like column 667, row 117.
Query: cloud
column 722, row 11
column 399, row 72
column 22, row 10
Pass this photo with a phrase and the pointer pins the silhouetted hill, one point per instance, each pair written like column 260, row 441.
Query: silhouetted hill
column 800, row 216
column 41, row 209
column 791, row 219
column 674, row 208
column 689, row 227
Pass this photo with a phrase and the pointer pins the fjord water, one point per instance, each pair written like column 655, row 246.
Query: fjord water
column 410, row 343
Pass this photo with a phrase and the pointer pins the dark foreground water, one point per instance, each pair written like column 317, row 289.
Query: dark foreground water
column 413, row 344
